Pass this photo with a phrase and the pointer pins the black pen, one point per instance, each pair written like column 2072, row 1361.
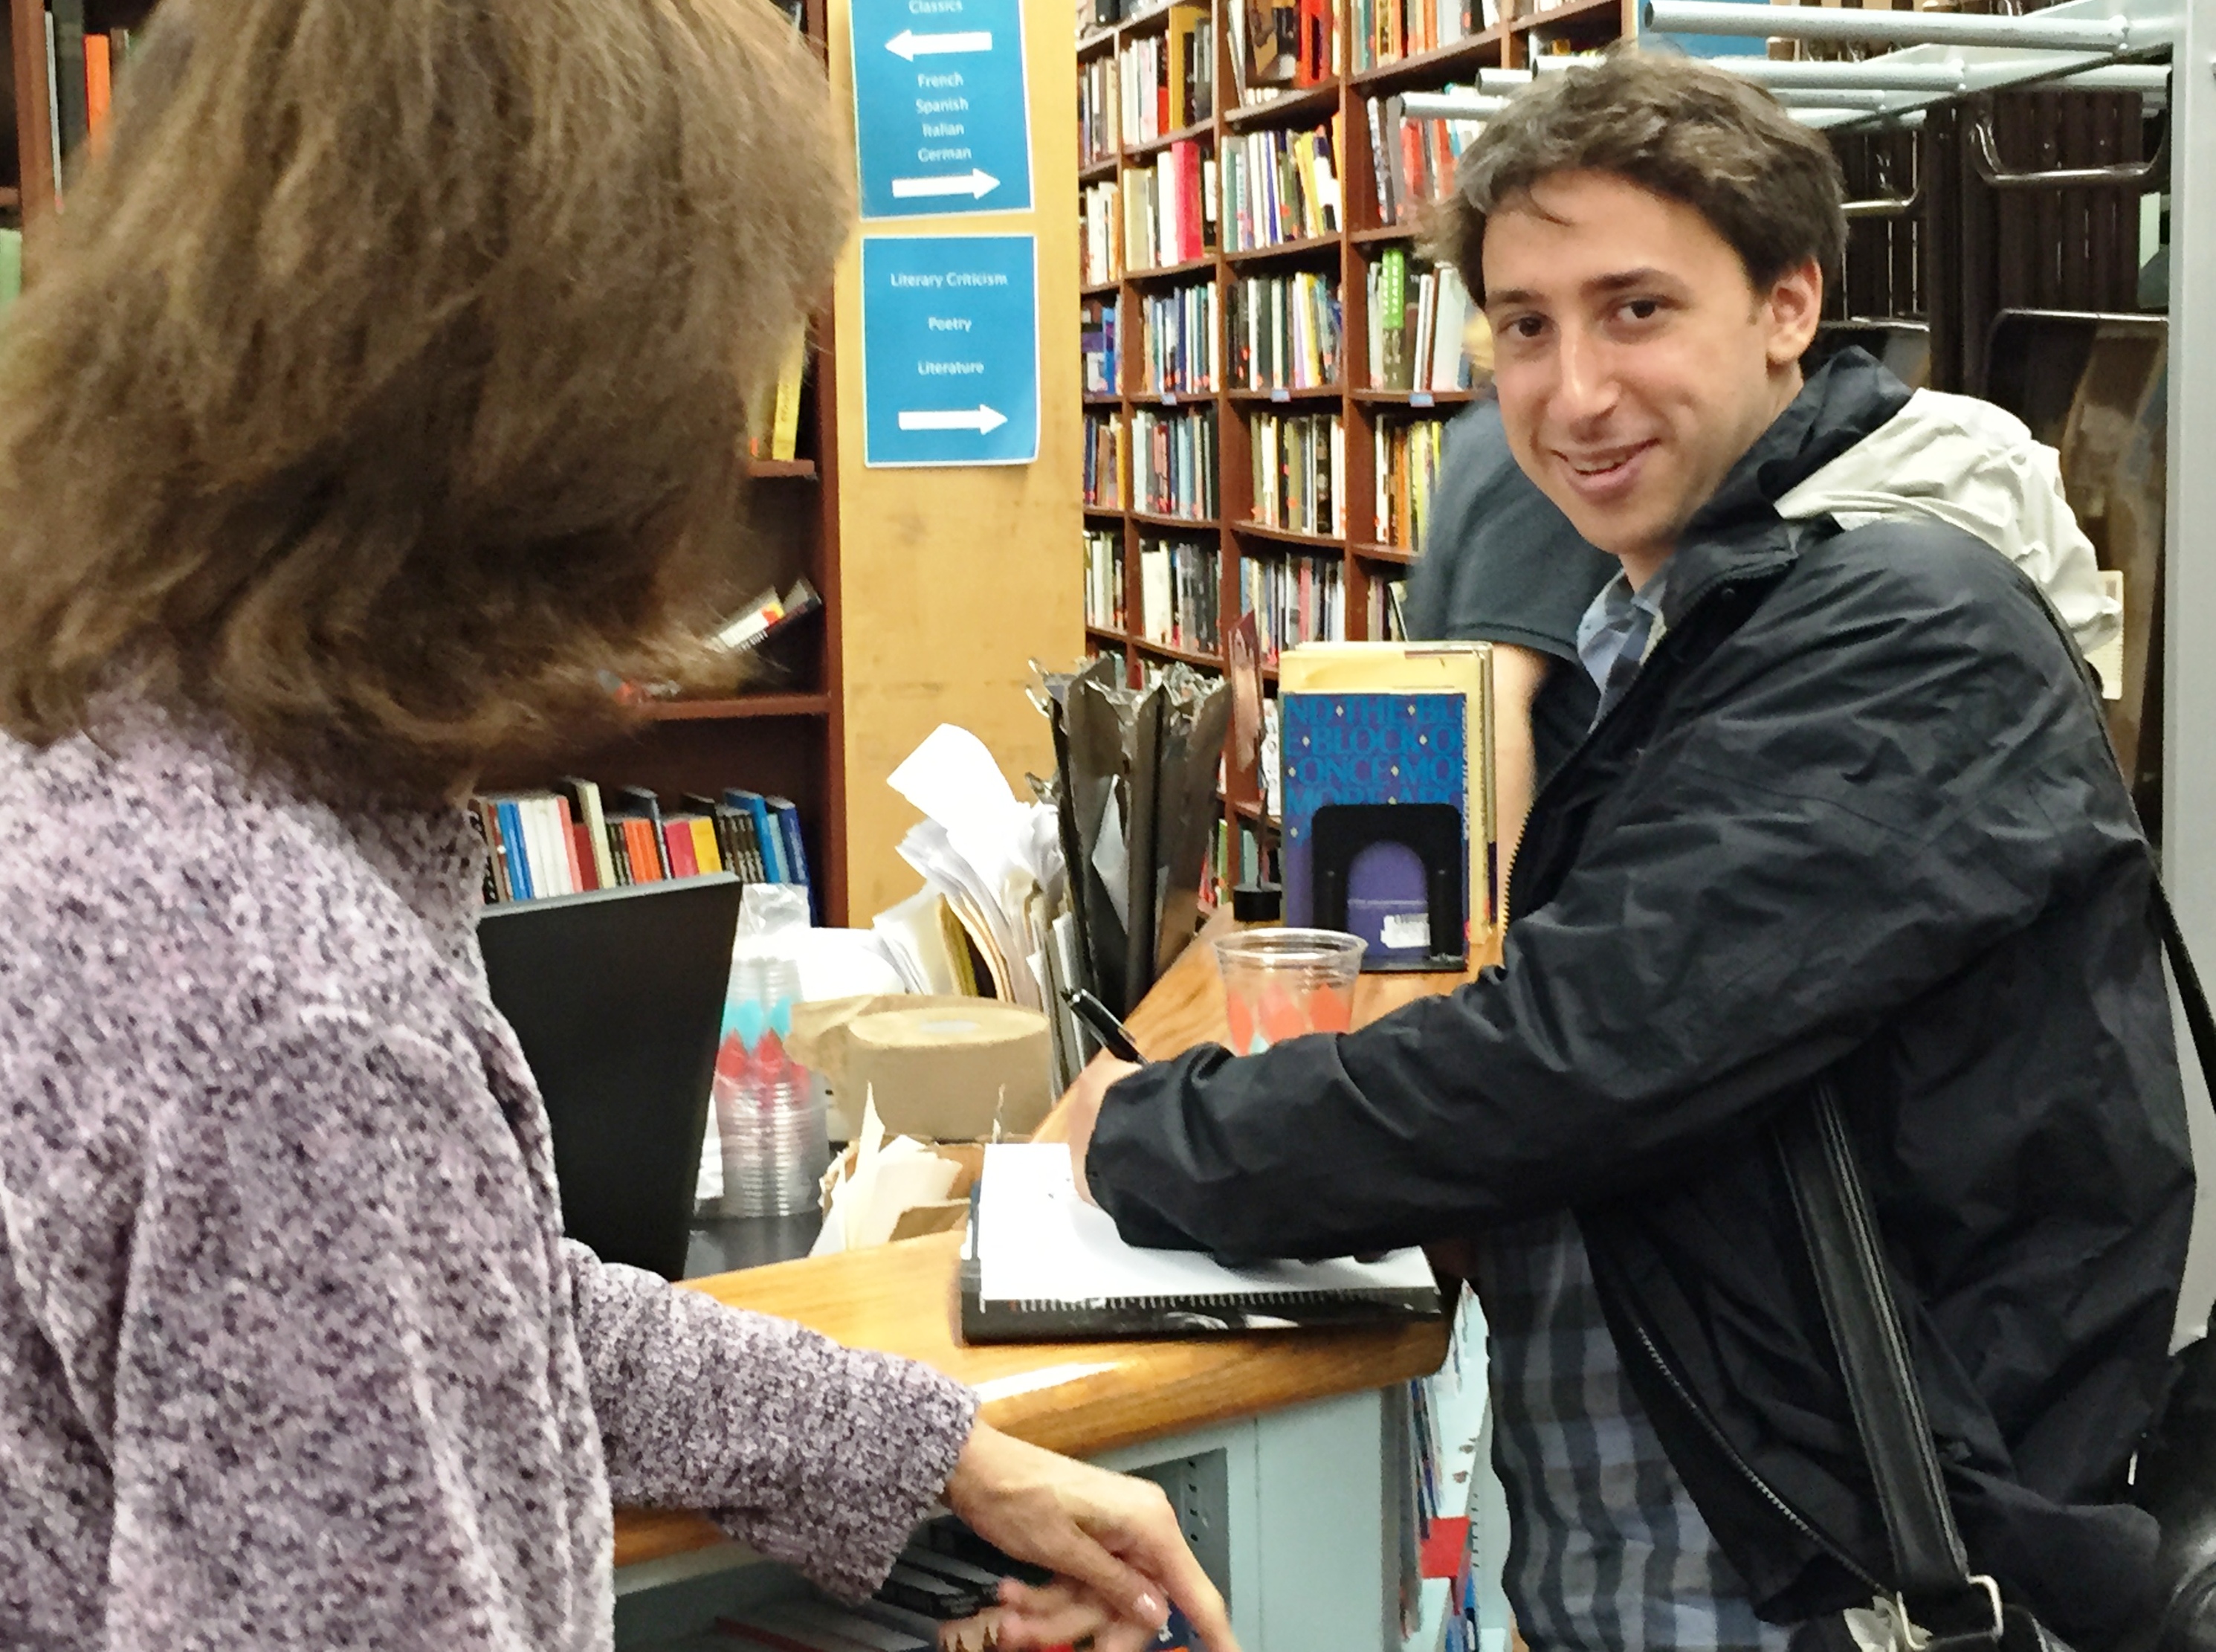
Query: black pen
column 1114, row 1038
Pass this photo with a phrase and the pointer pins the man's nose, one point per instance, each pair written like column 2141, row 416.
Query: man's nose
column 1585, row 385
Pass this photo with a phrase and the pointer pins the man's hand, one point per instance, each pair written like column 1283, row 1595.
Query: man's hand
column 1081, row 1110
column 1113, row 1538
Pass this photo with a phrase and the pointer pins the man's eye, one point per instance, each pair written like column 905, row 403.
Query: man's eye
column 1642, row 309
column 1527, row 326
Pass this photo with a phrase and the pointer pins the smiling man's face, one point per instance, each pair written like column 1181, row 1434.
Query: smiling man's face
column 1635, row 361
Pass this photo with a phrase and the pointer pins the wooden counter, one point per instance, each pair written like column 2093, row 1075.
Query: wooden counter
column 1084, row 1398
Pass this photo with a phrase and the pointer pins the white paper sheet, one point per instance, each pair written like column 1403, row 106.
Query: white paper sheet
column 1038, row 1241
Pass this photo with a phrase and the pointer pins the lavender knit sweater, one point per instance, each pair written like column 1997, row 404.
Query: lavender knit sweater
column 292, row 1350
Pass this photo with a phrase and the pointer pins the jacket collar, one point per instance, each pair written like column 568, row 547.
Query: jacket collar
column 1739, row 531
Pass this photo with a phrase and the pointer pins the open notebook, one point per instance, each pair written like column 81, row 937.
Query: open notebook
column 1040, row 1265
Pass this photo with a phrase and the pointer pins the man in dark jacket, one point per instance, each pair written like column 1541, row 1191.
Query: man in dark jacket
column 1846, row 809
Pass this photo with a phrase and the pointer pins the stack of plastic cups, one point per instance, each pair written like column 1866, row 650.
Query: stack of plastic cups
column 775, row 1144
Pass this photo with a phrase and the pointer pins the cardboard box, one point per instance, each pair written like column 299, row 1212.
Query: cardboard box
column 953, row 1070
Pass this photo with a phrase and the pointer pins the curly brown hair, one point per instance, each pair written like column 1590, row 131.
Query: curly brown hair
column 1674, row 125
column 384, row 387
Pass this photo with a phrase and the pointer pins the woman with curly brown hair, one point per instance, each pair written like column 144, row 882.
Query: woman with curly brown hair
column 382, row 390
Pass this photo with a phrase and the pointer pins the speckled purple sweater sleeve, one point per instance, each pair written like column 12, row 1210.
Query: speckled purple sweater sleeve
column 293, row 1352
column 810, row 1452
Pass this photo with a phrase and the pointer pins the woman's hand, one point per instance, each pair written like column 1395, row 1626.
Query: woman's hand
column 1114, row 1538
column 1081, row 1110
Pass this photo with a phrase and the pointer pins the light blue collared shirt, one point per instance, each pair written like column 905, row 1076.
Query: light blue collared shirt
column 1619, row 630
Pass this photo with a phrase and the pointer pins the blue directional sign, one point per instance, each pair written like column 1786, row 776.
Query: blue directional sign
column 950, row 349
column 942, row 112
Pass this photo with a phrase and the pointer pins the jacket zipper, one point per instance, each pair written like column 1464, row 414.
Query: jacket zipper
column 1785, row 1511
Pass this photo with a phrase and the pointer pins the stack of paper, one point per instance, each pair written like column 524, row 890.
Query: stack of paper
column 996, row 861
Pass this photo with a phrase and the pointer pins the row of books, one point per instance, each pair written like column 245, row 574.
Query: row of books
column 1282, row 186
column 1099, row 98
column 1418, row 315
column 1174, row 455
column 81, row 68
column 1237, row 858
column 1285, row 332
column 1104, row 578
column 572, row 839
column 1168, row 80
column 1169, row 208
column 1099, row 248
column 1096, row 338
column 1281, row 46
column 1387, row 623
column 1414, row 157
column 1104, row 460
column 1385, row 31
column 778, row 425
column 1180, row 351
column 1299, row 472
column 1407, row 458
column 1294, row 599
column 1180, row 593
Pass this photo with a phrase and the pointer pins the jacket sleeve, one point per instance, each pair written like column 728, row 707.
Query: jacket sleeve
column 822, row 1457
column 1891, row 767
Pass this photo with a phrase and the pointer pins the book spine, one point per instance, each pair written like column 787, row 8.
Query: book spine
column 69, row 72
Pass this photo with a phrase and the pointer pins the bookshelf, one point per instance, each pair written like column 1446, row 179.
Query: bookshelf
column 1378, row 50
column 788, row 738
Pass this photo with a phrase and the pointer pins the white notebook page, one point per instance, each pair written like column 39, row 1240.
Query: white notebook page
column 1038, row 1241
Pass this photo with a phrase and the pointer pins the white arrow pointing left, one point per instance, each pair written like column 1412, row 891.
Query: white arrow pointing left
column 976, row 183
column 980, row 418
column 909, row 44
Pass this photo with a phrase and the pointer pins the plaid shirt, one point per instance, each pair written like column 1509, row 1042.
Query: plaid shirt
column 1606, row 1550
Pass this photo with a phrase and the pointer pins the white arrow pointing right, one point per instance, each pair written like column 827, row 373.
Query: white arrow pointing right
column 980, row 418
column 976, row 183
column 912, row 46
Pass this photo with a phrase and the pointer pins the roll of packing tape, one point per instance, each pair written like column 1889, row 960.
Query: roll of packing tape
column 948, row 1074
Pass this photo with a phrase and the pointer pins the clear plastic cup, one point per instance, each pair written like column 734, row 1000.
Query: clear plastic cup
column 1280, row 983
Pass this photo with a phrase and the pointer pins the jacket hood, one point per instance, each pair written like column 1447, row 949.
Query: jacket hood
column 1972, row 465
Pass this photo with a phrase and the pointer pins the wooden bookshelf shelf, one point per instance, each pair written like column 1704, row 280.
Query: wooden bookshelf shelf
column 1354, row 571
column 11, row 199
column 1416, row 400
column 797, row 469
column 1286, row 395
column 1100, row 289
column 1592, row 16
column 1302, row 107
column 1287, row 250
column 1172, row 651
column 1102, row 398
column 1204, row 265
column 1099, row 171
column 1116, row 511
column 1435, row 67
column 1154, row 146
column 1289, row 536
column 741, row 706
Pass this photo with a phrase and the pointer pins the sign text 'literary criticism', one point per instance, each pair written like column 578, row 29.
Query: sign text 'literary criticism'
column 950, row 349
column 940, row 111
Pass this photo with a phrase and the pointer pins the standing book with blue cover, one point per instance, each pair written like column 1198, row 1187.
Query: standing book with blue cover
column 1351, row 760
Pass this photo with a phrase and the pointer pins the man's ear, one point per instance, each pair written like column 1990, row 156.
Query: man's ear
column 1791, row 310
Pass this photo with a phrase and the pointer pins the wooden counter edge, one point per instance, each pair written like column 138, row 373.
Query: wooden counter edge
column 1183, row 1385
